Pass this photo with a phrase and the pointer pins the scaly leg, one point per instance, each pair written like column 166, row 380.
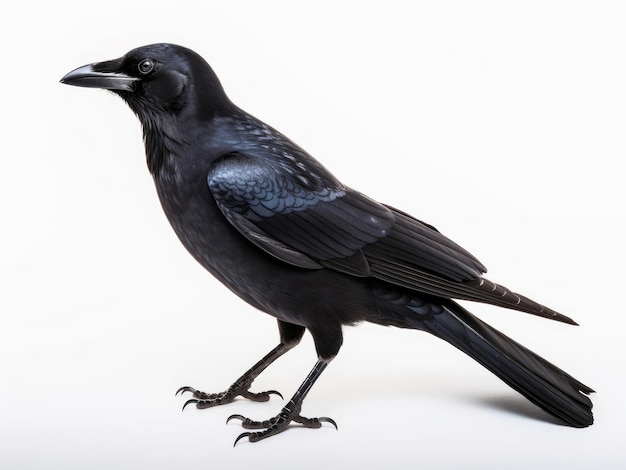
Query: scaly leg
column 290, row 336
column 290, row 413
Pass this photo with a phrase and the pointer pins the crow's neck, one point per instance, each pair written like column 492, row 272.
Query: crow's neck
column 162, row 139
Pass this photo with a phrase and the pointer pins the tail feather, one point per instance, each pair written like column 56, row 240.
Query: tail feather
column 541, row 382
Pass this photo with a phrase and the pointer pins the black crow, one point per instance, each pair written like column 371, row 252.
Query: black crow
column 280, row 231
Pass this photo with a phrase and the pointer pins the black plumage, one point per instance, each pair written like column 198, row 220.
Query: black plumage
column 284, row 234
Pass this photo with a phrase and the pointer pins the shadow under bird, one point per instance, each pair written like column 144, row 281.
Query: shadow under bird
column 281, row 232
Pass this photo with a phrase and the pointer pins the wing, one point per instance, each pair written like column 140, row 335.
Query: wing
column 315, row 222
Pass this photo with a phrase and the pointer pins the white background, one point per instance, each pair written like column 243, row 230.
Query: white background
column 501, row 123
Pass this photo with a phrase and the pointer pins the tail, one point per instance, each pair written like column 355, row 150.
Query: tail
column 541, row 382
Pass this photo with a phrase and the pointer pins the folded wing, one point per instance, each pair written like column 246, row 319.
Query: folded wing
column 324, row 224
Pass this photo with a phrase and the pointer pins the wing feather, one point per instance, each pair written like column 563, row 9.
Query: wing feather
column 276, row 206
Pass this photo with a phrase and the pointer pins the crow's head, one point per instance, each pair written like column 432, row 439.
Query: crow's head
column 157, row 79
column 169, row 88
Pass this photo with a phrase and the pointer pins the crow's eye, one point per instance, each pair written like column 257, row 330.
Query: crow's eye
column 145, row 66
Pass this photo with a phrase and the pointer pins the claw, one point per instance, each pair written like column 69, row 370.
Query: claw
column 275, row 392
column 189, row 402
column 241, row 436
column 261, row 396
column 325, row 419
column 182, row 390
column 242, row 418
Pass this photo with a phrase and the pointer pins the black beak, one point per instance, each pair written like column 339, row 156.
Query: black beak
column 97, row 76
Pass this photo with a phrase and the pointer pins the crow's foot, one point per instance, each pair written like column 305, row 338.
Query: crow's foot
column 208, row 400
column 277, row 424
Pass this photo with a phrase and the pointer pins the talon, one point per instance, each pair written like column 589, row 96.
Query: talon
column 189, row 402
column 261, row 396
column 275, row 392
column 182, row 390
column 325, row 419
column 242, row 418
column 241, row 436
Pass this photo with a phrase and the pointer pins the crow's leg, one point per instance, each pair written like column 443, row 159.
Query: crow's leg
column 290, row 413
column 290, row 336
